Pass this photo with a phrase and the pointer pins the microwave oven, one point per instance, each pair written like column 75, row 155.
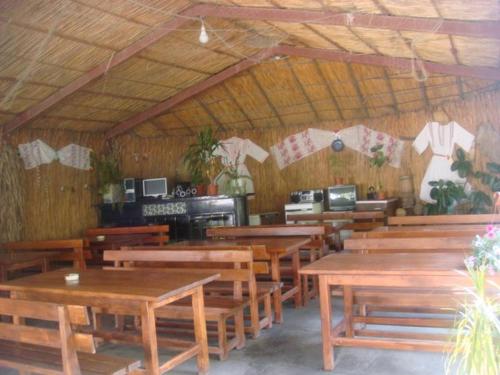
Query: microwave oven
column 340, row 198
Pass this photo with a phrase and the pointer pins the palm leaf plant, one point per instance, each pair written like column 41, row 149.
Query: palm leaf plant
column 200, row 157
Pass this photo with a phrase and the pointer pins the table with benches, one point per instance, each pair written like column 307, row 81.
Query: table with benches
column 272, row 250
column 135, row 292
column 68, row 250
column 403, row 272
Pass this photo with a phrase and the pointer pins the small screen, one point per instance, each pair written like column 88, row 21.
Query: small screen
column 156, row 186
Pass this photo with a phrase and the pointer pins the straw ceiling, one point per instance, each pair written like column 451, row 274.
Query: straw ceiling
column 47, row 45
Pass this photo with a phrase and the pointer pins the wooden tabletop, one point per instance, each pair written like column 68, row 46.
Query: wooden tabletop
column 9, row 258
column 479, row 229
column 143, row 285
column 339, row 215
column 435, row 264
column 281, row 245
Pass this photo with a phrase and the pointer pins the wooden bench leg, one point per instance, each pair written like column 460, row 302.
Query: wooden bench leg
column 348, row 299
column 296, row 279
column 276, row 276
column 305, row 289
column 268, row 310
column 149, row 339
column 222, row 338
column 239, row 326
column 200, row 330
column 326, row 323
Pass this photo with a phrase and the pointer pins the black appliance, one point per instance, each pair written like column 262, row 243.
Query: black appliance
column 307, row 196
column 341, row 198
column 133, row 189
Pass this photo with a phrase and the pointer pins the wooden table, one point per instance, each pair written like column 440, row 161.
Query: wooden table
column 277, row 249
column 136, row 292
column 13, row 261
column 378, row 270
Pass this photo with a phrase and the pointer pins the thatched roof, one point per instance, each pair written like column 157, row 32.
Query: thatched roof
column 89, row 65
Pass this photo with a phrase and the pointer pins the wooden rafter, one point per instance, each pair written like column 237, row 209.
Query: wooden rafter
column 190, row 92
column 482, row 29
column 390, row 62
column 312, row 53
column 98, row 71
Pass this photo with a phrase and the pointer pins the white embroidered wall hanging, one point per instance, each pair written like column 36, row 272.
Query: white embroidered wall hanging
column 38, row 152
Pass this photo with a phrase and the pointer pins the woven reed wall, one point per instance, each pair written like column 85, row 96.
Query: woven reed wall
column 52, row 213
column 11, row 191
column 58, row 200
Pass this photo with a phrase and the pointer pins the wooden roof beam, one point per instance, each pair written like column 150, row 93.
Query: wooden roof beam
column 190, row 92
column 477, row 29
column 101, row 69
column 390, row 62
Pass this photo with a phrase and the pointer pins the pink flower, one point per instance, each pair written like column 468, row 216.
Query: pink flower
column 490, row 234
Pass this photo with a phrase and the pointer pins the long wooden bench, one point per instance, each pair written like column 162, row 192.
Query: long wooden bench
column 112, row 238
column 317, row 248
column 414, row 300
column 235, row 268
column 41, row 350
column 444, row 219
column 72, row 250
column 409, row 245
column 453, row 230
column 265, row 289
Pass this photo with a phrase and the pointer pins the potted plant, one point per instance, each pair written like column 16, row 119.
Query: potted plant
column 201, row 160
column 476, row 350
column 478, row 201
column 446, row 194
column 378, row 160
column 109, row 177
column 235, row 184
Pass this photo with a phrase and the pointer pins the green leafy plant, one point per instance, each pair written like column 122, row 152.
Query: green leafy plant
column 445, row 193
column 107, row 169
column 476, row 350
column 235, row 184
column 200, row 156
column 378, row 159
column 480, row 202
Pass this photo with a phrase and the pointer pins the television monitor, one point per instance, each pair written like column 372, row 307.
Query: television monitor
column 154, row 187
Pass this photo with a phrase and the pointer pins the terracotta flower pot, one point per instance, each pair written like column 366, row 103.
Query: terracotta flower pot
column 201, row 190
column 212, row 189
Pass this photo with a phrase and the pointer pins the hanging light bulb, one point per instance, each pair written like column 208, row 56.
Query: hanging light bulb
column 203, row 34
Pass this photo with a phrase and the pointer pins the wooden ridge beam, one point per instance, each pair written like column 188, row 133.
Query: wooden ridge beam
column 101, row 69
column 390, row 62
column 477, row 29
column 190, row 92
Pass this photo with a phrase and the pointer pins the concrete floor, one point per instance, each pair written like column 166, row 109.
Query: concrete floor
column 295, row 348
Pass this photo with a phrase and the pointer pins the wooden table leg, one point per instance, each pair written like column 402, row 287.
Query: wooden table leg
column 276, row 276
column 296, row 279
column 149, row 340
column 326, row 323
column 200, row 330
column 349, row 332
column 3, row 274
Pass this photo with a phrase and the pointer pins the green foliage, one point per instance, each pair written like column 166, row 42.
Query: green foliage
column 476, row 350
column 462, row 165
column 481, row 202
column 107, row 170
column 445, row 193
column 378, row 158
column 200, row 156
column 235, row 182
